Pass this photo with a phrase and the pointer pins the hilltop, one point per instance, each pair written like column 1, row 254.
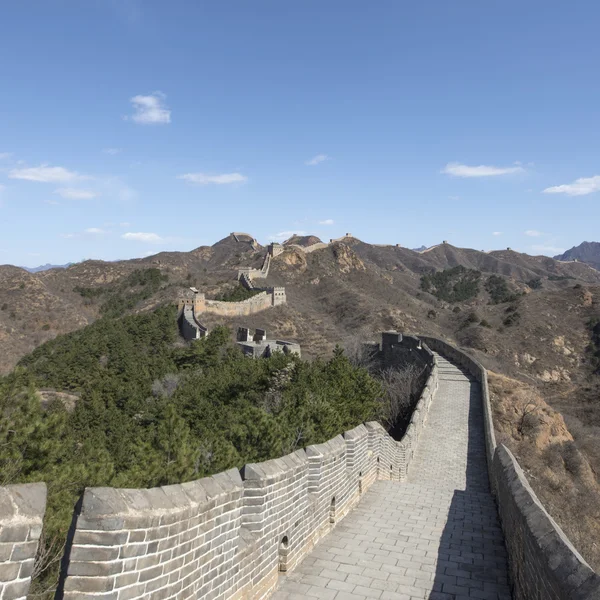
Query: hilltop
column 340, row 290
column 532, row 319
column 45, row 267
column 586, row 252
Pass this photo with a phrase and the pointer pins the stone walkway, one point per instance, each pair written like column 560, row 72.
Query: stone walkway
column 434, row 537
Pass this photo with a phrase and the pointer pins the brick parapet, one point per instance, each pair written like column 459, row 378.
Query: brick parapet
column 544, row 565
column 229, row 536
column 226, row 536
column 22, row 510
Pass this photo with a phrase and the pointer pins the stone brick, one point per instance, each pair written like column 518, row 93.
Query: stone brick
column 229, row 536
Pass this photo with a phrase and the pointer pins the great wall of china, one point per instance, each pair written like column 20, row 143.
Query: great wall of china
column 418, row 517
column 191, row 309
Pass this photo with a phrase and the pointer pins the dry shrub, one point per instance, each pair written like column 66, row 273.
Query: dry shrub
column 557, row 469
column 401, row 387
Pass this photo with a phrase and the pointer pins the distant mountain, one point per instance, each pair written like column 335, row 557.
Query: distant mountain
column 587, row 252
column 302, row 240
column 46, row 267
column 419, row 249
column 342, row 289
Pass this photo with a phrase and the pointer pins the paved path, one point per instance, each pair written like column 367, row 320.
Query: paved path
column 435, row 537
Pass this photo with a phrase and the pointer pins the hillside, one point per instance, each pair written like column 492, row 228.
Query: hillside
column 586, row 252
column 532, row 319
column 334, row 293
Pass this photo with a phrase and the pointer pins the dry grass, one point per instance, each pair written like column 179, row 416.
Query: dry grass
column 558, row 468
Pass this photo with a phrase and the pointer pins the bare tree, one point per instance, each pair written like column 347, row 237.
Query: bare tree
column 166, row 386
column 360, row 353
column 50, row 552
column 529, row 418
column 400, row 388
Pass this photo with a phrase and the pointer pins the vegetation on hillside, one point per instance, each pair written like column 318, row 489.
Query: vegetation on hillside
column 139, row 285
column 457, row 284
column 237, row 294
column 498, row 290
column 594, row 348
column 150, row 410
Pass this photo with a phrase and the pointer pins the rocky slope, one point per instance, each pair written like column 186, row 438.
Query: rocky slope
column 539, row 331
column 347, row 289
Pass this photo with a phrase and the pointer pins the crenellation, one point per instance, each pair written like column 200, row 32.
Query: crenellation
column 229, row 535
column 22, row 509
column 233, row 535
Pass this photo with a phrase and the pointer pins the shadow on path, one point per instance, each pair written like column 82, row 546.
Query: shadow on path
column 471, row 560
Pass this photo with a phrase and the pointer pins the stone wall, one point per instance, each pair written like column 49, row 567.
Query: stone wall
column 190, row 328
column 253, row 273
column 231, row 535
column 543, row 563
column 261, row 301
column 226, row 536
column 309, row 249
column 22, row 510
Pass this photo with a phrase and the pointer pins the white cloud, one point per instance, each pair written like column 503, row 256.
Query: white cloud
column 457, row 170
column 70, row 235
column 205, row 179
column 150, row 110
column 580, row 187
column 533, row 233
column 315, row 160
column 2, row 188
column 75, row 194
column 497, row 233
column 551, row 250
column 284, row 235
column 124, row 224
column 45, row 174
column 52, row 202
column 326, row 222
column 112, row 151
column 151, row 238
column 5, row 155
column 95, row 231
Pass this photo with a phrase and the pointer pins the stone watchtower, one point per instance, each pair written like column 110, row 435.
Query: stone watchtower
column 199, row 301
column 279, row 296
column 275, row 249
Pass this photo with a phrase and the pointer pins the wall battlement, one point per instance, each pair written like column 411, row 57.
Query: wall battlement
column 543, row 563
column 230, row 536
column 226, row 536
column 22, row 510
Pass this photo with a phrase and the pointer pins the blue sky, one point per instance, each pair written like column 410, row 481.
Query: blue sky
column 129, row 127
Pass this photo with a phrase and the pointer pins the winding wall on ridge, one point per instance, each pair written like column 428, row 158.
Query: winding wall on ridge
column 543, row 563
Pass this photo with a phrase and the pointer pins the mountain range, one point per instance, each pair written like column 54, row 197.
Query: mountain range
column 46, row 267
column 533, row 321
column 586, row 252
column 344, row 289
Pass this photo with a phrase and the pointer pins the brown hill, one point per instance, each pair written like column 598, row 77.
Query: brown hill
column 537, row 331
column 345, row 289
column 302, row 240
